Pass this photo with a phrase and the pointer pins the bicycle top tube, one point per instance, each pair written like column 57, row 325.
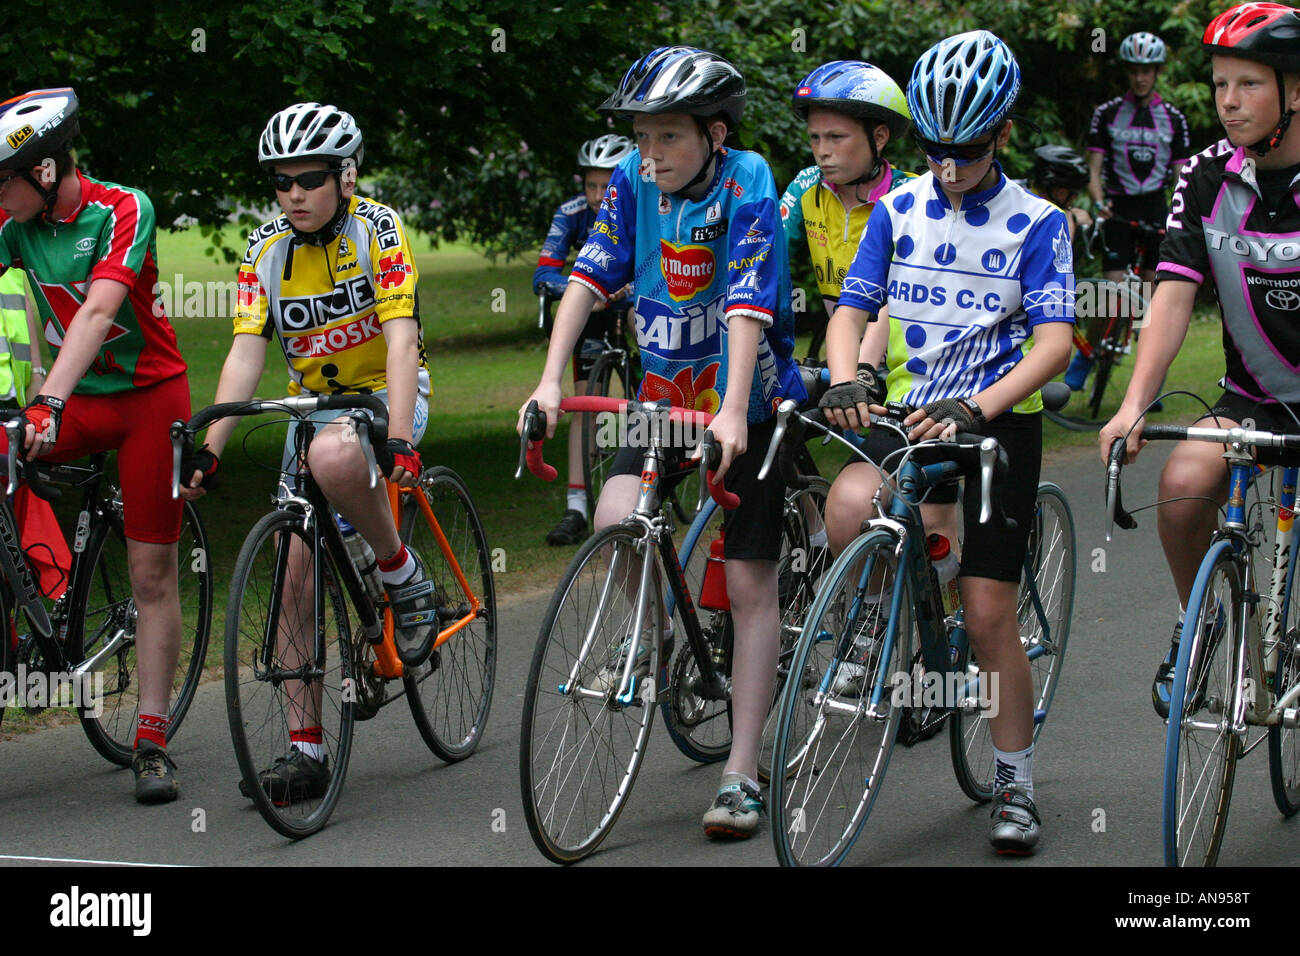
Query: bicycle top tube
column 299, row 406
column 534, row 432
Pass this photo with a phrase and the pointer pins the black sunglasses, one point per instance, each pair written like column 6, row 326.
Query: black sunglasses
column 309, row 180
column 962, row 153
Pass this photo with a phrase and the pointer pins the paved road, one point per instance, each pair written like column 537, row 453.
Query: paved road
column 1097, row 770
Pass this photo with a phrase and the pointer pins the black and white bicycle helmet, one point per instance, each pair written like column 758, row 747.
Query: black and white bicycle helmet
column 310, row 131
column 1060, row 166
column 680, row 79
column 604, row 152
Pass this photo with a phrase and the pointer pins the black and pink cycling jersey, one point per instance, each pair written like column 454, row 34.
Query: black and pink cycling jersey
column 1141, row 144
column 1221, row 228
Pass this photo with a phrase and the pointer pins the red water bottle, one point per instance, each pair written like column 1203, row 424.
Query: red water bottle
column 713, row 592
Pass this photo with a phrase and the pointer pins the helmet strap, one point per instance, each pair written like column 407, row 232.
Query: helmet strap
column 1274, row 139
column 326, row 233
column 873, row 171
column 50, row 193
column 708, row 161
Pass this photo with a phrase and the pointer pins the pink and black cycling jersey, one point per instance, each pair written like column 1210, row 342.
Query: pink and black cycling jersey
column 111, row 235
column 1221, row 229
column 1140, row 144
column 697, row 266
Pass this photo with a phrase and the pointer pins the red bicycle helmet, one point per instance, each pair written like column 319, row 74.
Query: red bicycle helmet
column 1267, row 33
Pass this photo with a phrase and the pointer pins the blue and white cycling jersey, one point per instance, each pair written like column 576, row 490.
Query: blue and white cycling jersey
column 965, row 287
column 569, row 229
column 697, row 266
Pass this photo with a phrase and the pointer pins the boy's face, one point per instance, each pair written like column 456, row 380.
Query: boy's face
column 17, row 197
column 956, row 179
column 840, row 145
column 1142, row 78
column 672, row 143
column 1245, row 94
column 594, row 184
column 308, row 209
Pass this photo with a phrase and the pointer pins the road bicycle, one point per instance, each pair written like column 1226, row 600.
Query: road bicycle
column 1237, row 676
column 307, row 640
column 879, row 603
column 1106, row 336
column 602, row 659
column 87, row 637
column 616, row 373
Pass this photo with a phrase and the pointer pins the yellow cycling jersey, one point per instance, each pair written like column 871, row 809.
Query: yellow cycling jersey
column 327, row 303
column 812, row 209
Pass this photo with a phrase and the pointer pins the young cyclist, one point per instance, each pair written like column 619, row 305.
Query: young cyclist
column 1235, row 222
column 569, row 229
column 969, row 264
column 853, row 111
column 1059, row 175
column 1136, row 143
column 333, row 280
column 117, row 381
column 696, row 227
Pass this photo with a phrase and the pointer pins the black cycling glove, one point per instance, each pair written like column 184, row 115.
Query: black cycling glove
column 870, row 379
column 963, row 412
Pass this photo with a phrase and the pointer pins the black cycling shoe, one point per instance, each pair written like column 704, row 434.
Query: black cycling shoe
column 572, row 529
column 292, row 778
column 1162, row 688
column 154, row 780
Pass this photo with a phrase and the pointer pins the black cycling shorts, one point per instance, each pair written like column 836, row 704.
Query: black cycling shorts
column 753, row 530
column 988, row 551
column 1120, row 247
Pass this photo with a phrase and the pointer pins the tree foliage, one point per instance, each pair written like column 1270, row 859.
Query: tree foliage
column 473, row 109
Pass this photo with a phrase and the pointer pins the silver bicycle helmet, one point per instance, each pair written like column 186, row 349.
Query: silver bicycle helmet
column 604, row 152
column 36, row 125
column 310, row 131
column 680, row 79
column 1145, row 48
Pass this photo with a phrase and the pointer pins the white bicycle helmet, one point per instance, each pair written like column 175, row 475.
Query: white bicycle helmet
column 1145, row 48
column 310, row 131
column 35, row 125
column 604, row 152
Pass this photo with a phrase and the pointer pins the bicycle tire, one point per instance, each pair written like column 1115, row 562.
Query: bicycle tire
column 1201, row 749
column 579, row 755
column 818, row 807
column 8, row 643
column 450, row 694
column 1051, row 554
column 101, row 605
column 1283, row 742
column 607, row 380
column 259, row 698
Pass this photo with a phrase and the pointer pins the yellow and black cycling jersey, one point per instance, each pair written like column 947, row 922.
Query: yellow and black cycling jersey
column 812, row 209
column 327, row 303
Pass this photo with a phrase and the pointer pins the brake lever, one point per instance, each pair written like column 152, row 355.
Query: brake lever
column 14, row 429
column 178, row 446
column 783, row 413
column 988, row 455
column 534, row 430
column 1115, row 513
column 709, row 454
column 361, row 425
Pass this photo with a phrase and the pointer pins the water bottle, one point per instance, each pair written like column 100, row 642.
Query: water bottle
column 945, row 569
column 713, row 592
column 363, row 559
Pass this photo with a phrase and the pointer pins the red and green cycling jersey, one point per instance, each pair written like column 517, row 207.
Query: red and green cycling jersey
column 110, row 235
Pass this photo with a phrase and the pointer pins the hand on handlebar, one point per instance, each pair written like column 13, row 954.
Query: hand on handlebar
column 1124, row 425
column 547, row 395
column 731, row 431
column 406, row 463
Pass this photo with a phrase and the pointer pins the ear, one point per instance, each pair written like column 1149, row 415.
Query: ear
column 881, row 135
column 348, row 179
column 1004, row 136
column 717, row 132
column 48, row 171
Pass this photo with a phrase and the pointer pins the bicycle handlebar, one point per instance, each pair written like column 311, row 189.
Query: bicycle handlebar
column 533, row 435
column 1115, row 513
column 15, row 460
column 372, row 431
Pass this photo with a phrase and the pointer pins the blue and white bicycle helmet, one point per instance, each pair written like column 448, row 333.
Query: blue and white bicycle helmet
column 855, row 89
column 1144, row 48
column 963, row 87
column 680, row 79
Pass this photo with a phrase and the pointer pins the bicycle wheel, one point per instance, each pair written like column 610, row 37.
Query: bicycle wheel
column 1044, row 608
column 1201, row 748
column 580, row 748
column 278, row 689
column 836, row 728
column 8, row 645
column 600, row 445
column 103, row 619
column 805, row 556
column 1283, row 748
column 450, row 694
